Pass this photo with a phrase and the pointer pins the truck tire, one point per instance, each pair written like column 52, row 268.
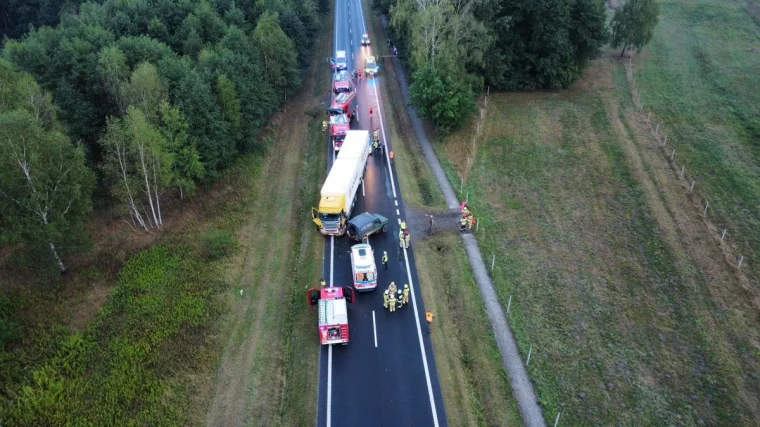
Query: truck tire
column 385, row 228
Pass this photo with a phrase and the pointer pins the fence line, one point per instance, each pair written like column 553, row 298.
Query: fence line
column 670, row 154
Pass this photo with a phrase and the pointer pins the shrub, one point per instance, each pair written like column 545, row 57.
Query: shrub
column 218, row 244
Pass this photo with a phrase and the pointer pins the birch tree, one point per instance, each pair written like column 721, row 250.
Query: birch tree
column 45, row 186
column 139, row 166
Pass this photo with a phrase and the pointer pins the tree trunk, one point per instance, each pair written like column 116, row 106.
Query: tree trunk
column 623, row 52
column 57, row 258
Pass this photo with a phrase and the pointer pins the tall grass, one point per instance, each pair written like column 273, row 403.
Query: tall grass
column 125, row 368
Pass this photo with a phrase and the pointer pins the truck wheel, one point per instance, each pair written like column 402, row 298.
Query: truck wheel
column 385, row 228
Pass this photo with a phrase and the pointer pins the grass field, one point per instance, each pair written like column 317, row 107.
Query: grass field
column 700, row 77
column 618, row 285
column 475, row 385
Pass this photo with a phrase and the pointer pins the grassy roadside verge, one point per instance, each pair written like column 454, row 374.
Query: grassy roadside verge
column 475, row 385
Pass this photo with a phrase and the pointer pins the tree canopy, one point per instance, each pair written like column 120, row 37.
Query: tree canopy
column 160, row 95
column 633, row 24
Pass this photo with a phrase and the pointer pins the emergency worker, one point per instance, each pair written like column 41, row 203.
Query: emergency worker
column 406, row 293
column 385, row 299
column 392, row 288
column 403, row 225
column 324, row 125
column 429, row 317
column 469, row 222
column 392, row 302
column 401, row 238
column 322, row 283
column 463, row 223
column 407, row 238
column 385, row 259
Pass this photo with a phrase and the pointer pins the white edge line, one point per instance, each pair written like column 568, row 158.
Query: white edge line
column 374, row 327
column 329, row 385
column 422, row 345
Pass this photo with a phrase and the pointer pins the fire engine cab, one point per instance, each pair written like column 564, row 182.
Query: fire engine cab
column 333, row 312
column 339, row 125
column 343, row 103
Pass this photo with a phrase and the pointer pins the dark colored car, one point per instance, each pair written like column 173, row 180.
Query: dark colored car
column 365, row 224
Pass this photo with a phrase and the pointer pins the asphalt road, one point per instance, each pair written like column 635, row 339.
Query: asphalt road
column 386, row 375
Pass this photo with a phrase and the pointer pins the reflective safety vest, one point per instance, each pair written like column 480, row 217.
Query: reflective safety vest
column 429, row 316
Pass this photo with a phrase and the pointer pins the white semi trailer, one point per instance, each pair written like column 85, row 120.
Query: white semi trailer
column 338, row 194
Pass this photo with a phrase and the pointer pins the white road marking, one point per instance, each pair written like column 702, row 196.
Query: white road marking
column 422, row 345
column 374, row 327
column 329, row 385
column 396, row 202
column 363, row 187
column 397, row 213
column 408, row 272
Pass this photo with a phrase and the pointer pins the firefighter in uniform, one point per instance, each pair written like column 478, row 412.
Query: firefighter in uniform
column 403, row 225
column 469, row 222
column 385, row 259
column 407, row 238
column 401, row 238
column 322, row 283
column 385, row 299
column 392, row 302
column 463, row 222
column 406, row 293
column 324, row 125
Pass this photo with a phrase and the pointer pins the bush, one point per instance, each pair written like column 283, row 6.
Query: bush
column 448, row 102
column 218, row 244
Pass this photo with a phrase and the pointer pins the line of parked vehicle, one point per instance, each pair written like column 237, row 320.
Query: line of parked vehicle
column 338, row 198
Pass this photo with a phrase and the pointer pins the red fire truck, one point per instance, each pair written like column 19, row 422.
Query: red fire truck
column 343, row 103
column 339, row 125
column 333, row 312
column 341, row 82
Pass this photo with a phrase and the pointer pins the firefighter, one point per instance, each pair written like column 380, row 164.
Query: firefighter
column 406, row 293
column 392, row 288
column 385, row 259
column 392, row 156
column 386, row 297
column 429, row 317
column 322, row 283
column 407, row 238
column 400, row 298
column 392, row 302
column 401, row 238
column 403, row 225
column 324, row 125
column 469, row 222
column 463, row 223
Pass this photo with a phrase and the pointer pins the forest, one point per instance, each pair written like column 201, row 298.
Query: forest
column 122, row 103
column 455, row 48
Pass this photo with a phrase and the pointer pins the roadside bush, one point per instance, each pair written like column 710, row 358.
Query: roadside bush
column 218, row 244
column 446, row 101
